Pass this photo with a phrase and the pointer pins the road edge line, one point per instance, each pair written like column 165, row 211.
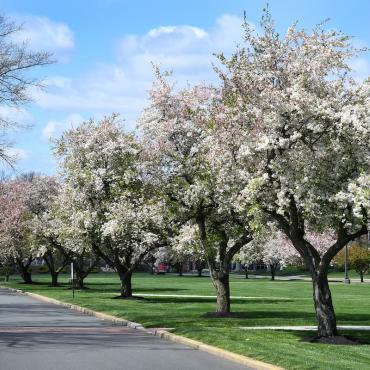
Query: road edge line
column 164, row 334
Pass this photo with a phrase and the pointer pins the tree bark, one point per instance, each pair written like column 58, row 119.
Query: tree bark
column 126, row 286
column 81, row 270
column 180, row 268
column 221, row 283
column 80, row 284
column 26, row 276
column 55, row 262
column 220, row 270
column 24, row 269
column 326, row 319
column 199, row 266
column 54, row 278
column 273, row 271
column 293, row 225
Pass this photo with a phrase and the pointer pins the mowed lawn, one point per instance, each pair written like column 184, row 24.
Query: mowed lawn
column 267, row 303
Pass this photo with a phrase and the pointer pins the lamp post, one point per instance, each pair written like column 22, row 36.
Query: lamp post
column 72, row 280
column 346, row 277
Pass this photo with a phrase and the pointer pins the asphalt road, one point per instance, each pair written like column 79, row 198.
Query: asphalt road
column 36, row 335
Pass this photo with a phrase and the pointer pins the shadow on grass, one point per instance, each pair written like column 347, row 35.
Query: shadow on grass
column 225, row 315
column 46, row 283
column 154, row 300
column 345, row 337
column 112, row 287
column 132, row 298
column 354, row 318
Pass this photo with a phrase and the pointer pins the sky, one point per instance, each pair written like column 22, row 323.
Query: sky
column 104, row 50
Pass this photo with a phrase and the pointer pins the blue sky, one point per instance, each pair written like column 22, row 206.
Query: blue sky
column 104, row 49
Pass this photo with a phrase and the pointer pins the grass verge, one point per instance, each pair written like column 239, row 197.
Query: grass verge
column 272, row 303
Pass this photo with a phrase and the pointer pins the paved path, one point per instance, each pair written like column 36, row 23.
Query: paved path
column 36, row 335
column 305, row 328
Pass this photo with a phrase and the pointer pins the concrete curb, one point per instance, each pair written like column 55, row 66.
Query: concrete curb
column 243, row 360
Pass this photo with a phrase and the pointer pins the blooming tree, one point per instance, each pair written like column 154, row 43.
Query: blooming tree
column 14, row 241
column 134, row 228
column 271, row 248
column 250, row 253
column 65, row 226
column 190, row 144
column 186, row 246
column 45, row 229
column 277, row 251
column 306, row 135
column 358, row 258
column 16, row 63
column 113, row 211
column 23, row 200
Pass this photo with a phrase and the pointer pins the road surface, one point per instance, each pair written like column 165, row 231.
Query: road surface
column 37, row 335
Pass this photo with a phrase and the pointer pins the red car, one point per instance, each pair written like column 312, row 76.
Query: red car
column 161, row 268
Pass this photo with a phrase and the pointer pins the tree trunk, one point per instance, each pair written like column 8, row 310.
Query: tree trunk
column 222, row 286
column 7, row 277
column 199, row 266
column 81, row 271
column 246, row 272
column 362, row 276
column 79, row 281
column 326, row 320
column 273, row 271
column 126, row 286
column 54, row 278
column 180, row 268
column 24, row 270
column 26, row 276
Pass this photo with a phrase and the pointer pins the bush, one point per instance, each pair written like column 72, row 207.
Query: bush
column 358, row 259
column 65, row 270
column 95, row 270
column 5, row 270
column 43, row 269
column 293, row 270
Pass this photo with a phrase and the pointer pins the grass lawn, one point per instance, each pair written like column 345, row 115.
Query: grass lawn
column 289, row 271
column 271, row 303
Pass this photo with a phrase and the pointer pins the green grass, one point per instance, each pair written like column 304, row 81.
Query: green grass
column 287, row 349
column 293, row 271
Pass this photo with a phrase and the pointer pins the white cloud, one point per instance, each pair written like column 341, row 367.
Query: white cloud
column 360, row 65
column 17, row 115
column 44, row 34
column 361, row 68
column 17, row 153
column 54, row 129
column 122, row 86
column 185, row 49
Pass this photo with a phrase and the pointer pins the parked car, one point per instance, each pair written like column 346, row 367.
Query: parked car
column 161, row 268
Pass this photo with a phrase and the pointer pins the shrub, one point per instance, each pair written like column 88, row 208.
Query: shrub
column 95, row 270
column 6, row 270
column 358, row 259
column 43, row 269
